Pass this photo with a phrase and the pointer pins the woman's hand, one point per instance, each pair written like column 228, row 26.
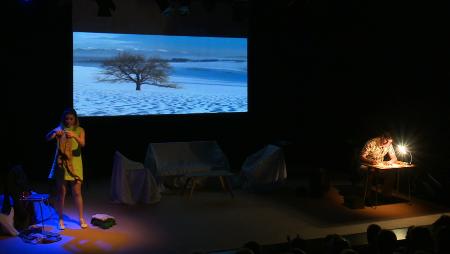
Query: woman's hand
column 59, row 133
column 69, row 134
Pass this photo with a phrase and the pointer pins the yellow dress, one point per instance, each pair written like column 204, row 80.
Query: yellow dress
column 62, row 173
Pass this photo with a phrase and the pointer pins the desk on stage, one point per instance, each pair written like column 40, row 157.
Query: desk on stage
column 398, row 166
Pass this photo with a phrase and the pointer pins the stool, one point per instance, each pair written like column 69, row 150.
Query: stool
column 222, row 174
column 37, row 198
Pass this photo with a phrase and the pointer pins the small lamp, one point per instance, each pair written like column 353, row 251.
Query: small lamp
column 404, row 150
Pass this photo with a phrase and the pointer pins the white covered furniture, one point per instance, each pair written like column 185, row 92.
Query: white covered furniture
column 265, row 167
column 132, row 183
column 182, row 158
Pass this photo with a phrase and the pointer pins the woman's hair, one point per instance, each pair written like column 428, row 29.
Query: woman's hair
column 70, row 111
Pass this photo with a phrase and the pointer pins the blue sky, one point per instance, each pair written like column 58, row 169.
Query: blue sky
column 179, row 45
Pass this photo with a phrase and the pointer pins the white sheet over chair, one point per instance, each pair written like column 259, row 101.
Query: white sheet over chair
column 132, row 183
column 265, row 166
column 180, row 158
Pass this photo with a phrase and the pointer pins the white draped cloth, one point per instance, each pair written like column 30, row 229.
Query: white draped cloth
column 180, row 158
column 266, row 166
column 132, row 183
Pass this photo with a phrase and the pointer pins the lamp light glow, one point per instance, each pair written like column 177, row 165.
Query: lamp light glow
column 404, row 150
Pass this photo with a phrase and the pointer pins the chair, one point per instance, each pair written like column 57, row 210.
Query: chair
column 132, row 183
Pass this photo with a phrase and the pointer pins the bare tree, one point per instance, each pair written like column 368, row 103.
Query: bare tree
column 130, row 67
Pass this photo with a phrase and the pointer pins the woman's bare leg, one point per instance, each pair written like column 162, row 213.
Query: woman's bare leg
column 61, row 195
column 78, row 198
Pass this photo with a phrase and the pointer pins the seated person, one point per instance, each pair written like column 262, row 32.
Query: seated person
column 373, row 153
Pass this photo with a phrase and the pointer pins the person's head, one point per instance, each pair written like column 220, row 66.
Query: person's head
column 372, row 233
column 419, row 238
column 298, row 243
column 386, row 139
column 443, row 221
column 387, row 241
column 254, row 246
column 244, row 251
column 349, row 251
column 443, row 240
column 296, row 251
column 69, row 118
column 336, row 243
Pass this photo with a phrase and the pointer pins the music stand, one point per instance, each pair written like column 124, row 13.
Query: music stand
column 35, row 197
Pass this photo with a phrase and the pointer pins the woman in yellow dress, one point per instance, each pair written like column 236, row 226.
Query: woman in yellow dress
column 68, row 165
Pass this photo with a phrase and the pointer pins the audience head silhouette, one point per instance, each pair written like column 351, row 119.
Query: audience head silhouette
column 387, row 241
column 336, row 243
column 254, row 246
column 419, row 239
column 372, row 233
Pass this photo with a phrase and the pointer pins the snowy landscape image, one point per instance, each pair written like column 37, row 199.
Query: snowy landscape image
column 135, row 74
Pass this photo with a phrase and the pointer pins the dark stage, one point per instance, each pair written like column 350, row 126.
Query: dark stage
column 212, row 221
column 323, row 77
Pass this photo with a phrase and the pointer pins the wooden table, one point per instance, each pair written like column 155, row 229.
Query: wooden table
column 398, row 166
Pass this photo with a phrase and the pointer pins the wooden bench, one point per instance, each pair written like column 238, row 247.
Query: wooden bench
column 223, row 176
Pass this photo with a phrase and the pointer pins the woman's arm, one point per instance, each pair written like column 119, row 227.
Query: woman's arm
column 81, row 138
column 53, row 133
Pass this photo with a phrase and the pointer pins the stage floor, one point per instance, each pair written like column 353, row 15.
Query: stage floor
column 211, row 220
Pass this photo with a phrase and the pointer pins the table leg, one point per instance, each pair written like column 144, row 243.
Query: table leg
column 366, row 186
column 376, row 187
column 192, row 189
column 398, row 181
column 409, row 186
column 225, row 181
column 186, row 185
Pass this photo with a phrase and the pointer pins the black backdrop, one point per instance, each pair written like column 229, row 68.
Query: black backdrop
column 324, row 75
